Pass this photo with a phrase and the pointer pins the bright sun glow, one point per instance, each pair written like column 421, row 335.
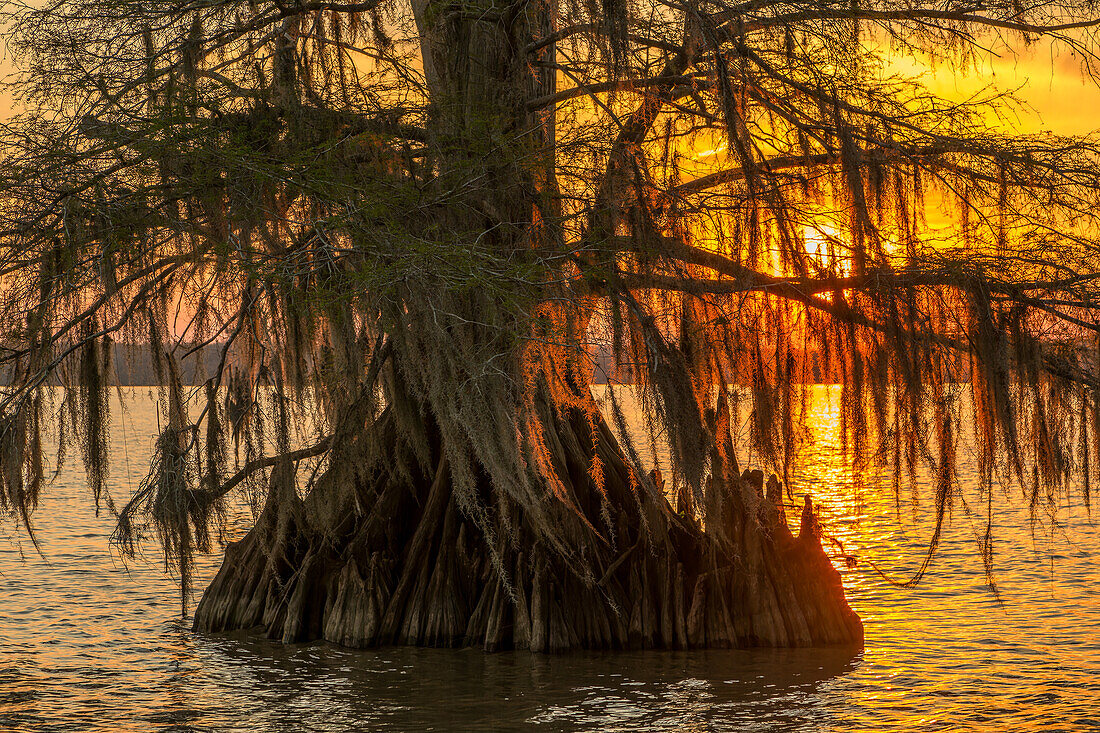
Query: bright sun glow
column 824, row 246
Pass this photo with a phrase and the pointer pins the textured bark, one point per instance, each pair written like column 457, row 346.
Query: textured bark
column 386, row 561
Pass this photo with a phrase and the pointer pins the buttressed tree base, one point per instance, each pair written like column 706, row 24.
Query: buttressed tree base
column 415, row 570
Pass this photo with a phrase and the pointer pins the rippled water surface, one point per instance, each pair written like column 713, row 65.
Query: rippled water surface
column 89, row 643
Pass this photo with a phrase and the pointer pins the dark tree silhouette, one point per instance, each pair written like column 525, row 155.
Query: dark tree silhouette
column 410, row 229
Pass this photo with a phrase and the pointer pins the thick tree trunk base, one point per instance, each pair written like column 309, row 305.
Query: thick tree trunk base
column 385, row 561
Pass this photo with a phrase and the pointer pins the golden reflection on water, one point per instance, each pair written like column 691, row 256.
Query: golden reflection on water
column 86, row 644
column 948, row 654
column 1045, row 583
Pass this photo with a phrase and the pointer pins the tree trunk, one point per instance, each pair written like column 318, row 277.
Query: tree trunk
column 384, row 560
column 383, row 556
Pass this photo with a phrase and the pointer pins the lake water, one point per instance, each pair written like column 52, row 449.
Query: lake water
column 88, row 643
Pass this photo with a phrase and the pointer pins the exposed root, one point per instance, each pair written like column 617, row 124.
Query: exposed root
column 410, row 568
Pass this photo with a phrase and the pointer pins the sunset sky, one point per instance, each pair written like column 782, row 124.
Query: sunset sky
column 1049, row 78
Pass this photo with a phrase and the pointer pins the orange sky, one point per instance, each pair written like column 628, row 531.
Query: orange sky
column 1049, row 79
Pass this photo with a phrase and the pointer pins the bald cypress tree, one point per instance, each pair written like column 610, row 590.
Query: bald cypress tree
column 411, row 229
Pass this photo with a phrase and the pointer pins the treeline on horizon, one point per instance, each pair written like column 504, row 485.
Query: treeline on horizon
column 132, row 366
column 606, row 372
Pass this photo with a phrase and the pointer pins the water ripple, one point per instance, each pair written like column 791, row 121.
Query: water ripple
column 90, row 644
